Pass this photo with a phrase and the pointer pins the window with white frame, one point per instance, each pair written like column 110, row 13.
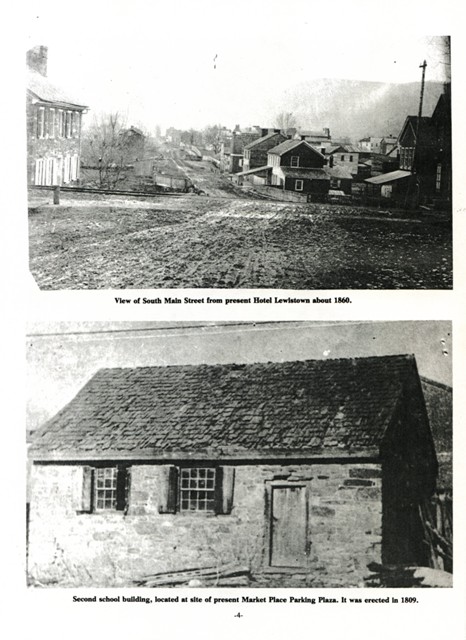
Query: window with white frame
column 298, row 185
column 104, row 488
column 197, row 489
column 295, row 161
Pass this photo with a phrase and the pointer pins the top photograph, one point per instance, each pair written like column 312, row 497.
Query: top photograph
column 287, row 159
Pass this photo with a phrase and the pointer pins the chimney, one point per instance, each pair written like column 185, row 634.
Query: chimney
column 36, row 59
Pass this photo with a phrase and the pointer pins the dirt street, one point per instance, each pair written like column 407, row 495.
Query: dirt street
column 197, row 241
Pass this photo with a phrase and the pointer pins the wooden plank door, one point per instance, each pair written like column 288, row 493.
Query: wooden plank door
column 288, row 527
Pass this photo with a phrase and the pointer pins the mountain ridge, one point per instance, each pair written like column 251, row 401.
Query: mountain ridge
column 357, row 108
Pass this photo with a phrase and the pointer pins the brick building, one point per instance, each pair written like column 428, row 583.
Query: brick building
column 309, row 468
column 53, row 127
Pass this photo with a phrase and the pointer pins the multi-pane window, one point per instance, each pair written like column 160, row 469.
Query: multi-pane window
column 105, row 488
column 406, row 158
column 295, row 161
column 298, row 185
column 197, row 489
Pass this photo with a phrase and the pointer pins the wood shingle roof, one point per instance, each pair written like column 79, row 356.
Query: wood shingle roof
column 311, row 407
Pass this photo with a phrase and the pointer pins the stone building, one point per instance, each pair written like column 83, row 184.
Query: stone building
column 53, row 126
column 306, row 470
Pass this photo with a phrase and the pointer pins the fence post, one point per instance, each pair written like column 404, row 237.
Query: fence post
column 56, row 195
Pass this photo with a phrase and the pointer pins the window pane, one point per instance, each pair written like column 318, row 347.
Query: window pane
column 197, row 489
column 105, row 488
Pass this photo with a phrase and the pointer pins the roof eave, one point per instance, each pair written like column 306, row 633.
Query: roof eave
column 157, row 456
column 59, row 103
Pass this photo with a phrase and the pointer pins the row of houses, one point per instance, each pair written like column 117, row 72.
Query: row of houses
column 411, row 169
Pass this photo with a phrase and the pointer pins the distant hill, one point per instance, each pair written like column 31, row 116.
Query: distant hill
column 355, row 108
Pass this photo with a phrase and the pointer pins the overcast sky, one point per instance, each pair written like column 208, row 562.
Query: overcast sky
column 62, row 357
column 188, row 64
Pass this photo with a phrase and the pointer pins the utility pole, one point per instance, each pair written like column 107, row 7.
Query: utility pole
column 423, row 67
column 421, row 100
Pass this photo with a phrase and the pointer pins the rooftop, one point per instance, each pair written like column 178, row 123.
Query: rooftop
column 263, row 139
column 288, row 145
column 389, row 177
column 45, row 91
column 312, row 407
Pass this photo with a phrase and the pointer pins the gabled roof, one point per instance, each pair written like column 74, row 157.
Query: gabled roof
column 427, row 135
column 242, row 411
column 289, row 145
column 44, row 91
column 269, row 136
column 344, row 148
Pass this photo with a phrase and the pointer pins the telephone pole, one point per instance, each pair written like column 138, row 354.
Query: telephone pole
column 421, row 99
column 423, row 67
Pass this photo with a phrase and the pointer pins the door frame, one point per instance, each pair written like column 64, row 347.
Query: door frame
column 267, row 551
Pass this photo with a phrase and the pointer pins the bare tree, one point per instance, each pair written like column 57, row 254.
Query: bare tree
column 104, row 148
column 213, row 136
column 286, row 120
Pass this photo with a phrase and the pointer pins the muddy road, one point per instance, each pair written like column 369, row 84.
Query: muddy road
column 209, row 242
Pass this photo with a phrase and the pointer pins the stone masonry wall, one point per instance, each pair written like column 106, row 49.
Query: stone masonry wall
column 112, row 549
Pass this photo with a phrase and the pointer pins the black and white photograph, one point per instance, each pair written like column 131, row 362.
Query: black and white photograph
column 177, row 156
column 233, row 315
column 241, row 455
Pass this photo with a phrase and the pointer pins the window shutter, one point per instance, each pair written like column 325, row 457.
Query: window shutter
column 121, row 488
column 86, row 497
column 226, row 479
column 168, row 489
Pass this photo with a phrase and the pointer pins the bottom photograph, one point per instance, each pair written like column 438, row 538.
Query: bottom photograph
column 273, row 454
